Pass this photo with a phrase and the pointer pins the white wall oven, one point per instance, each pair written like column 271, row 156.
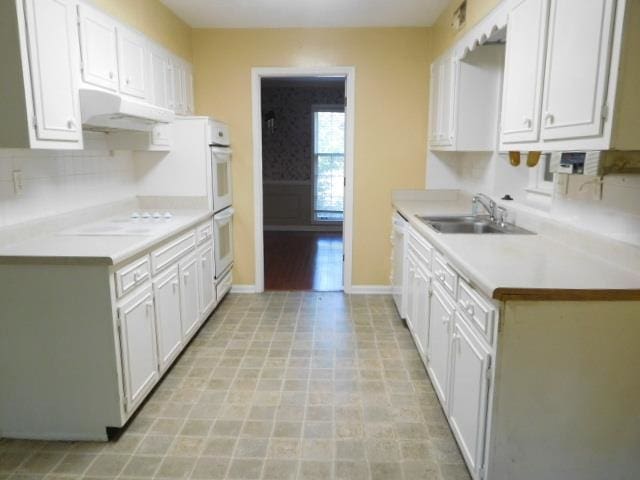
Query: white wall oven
column 221, row 188
column 223, row 241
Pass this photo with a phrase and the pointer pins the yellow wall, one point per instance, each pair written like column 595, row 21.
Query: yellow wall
column 154, row 20
column 445, row 36
column 390, row 124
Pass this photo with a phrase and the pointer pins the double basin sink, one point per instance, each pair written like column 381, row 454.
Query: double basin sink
column 472, row 224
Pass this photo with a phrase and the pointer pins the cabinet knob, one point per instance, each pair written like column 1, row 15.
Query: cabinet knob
column 445, row 319
column 127, row 80
column 71, row 124
column 527, row 122
column 549, row 118
column 111, row 75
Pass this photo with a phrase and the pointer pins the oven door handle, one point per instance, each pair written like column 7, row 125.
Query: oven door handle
column 224, row 215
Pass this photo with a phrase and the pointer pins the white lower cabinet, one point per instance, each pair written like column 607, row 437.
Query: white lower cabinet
column 138, row 347
column 205, row 279
column 166, row 290
column 455, row 341
column 189, row 304
column 442, row 312
column 468, row 393
column 420, row 310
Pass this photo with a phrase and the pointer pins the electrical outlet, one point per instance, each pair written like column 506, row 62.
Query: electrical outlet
column 18, row 186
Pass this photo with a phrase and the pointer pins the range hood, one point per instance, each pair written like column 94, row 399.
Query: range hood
column 106, row 111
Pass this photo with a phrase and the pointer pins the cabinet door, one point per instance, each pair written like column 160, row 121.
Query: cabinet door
column 161, row 135
column 577, row 68
column 138, row 348
column 179, row 87
column 421, row 310
column 434, row 87
column 170, row 84
column 157, row 81
column 446, row 102
column 53, row 47
column 205, row 280
column 439, row 343
column 188, row 85
column 470, row 362
column 524, row 71
column 98, row 42
column 411, row 290
column 167, row 296
column 132, row 60
column 189, row 303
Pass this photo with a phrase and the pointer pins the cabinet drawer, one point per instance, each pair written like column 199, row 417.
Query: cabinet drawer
column 479, row 312
column 421, row 248
column 132, row 275
column 172, row 251
column 205, row 232
column 223, row 285
column 444, row 274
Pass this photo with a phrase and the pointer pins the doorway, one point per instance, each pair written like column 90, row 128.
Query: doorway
column 303, row 169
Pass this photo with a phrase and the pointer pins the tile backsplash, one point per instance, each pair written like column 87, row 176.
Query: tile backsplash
column 56, row 182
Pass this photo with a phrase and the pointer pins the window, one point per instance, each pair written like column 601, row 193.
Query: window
column 328, row 170
column 541, row 177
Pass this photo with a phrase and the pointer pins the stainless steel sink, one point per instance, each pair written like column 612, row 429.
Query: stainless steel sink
column 472, row 224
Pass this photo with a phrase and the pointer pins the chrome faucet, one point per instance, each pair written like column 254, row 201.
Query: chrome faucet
column 480, row 199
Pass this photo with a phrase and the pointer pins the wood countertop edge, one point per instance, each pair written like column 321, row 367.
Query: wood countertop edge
column 526, row 294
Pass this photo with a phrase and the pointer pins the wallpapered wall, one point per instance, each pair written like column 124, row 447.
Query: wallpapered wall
column 287, row 152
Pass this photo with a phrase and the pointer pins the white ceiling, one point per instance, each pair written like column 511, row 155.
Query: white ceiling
column 306, row 13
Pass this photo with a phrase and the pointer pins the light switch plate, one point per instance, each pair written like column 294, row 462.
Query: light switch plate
column 18, row 186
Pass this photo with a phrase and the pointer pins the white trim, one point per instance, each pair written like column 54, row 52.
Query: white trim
column 257, row 74
column 235, row 288
column 371, row 289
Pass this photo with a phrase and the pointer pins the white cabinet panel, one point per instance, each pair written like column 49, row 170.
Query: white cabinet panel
column 52, row 49
column 98, row 42
column 524, row 71
column 138, row 347
column 189, row 303
column 577, row 68
column 411, row 290
column 470, row 361
column 205, row 279
column 440, row 324
column 158, row 64
column 167, row 296
column 132, row 60
column 179, row 86
column 442, row 106
column 421, row 310
column 188, row 85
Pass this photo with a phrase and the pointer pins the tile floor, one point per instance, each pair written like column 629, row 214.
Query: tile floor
column 275, row 386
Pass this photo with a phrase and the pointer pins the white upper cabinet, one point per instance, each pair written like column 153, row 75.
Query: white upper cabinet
column 188, row 85
column 577, row 68
column 442, row 101
column 52, row 41
column 524, row 71
column 98, row 40
column 132, row 59
column 158, row 62
column 38, row 81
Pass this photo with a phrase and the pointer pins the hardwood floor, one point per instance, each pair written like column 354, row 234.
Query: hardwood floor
column 303, row 261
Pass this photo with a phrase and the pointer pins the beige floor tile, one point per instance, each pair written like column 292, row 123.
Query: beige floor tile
column 210, row 468
column 108, row 465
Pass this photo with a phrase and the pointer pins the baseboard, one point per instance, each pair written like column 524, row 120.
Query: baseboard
column 370, row 290
column 302, row 228
column 243, row 288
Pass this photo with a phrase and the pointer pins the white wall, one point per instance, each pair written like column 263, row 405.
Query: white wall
column 57, row 182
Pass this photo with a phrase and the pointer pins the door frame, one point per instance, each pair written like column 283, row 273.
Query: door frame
column 257, row 74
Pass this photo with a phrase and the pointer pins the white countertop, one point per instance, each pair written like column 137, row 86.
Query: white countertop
column 521, row 266
column 64, row 247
